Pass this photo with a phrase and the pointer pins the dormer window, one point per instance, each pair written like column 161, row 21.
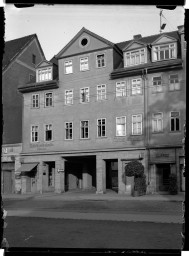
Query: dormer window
column 135, row 57
column 44, row 74
column 164, row 52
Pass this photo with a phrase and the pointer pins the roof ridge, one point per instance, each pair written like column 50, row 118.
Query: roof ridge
column 21, row 38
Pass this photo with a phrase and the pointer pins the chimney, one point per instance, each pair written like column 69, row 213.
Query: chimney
column 180, row 28
column 136, row 37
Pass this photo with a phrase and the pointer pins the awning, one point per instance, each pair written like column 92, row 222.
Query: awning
column 27, row 167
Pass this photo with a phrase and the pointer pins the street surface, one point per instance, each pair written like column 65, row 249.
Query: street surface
column 62, row 222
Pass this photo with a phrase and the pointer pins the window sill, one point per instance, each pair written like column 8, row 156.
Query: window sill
column 174, row 131
column 68, row 139
column 84, row 139
column 103, row 137
column 161, row 132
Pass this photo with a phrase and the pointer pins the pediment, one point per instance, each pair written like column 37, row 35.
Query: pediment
column 43, row 64
column 134, row 45
column 164, row 39
column 84, row 41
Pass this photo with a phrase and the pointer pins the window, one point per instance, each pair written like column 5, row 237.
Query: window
column 84, row 64
column 69, row 130
column 69, row 97
column 101, row 92
column 121, row 89
column 68, row 67
column 34, row 133
column 134, row 57
column 44, row 74
column 164, row 52
column 174, row 84
column 100, row 60
column 35, row 100
column 137, row 124
column 157, row 122
column 84, row 95
column 84, row 129
column 48, row 99
column 136, row 86
column 31, row 77
column 175, row 121
column 48, row 132
column 157, row 84
column 121, row 126
column 33, row 59
column 101, row 127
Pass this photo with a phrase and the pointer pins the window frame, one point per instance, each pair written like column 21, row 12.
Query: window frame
column 40, row 80
column 130, row 53
column 101, row 94
column 82, row 58
column 175, row 121
column 68, row 130
column 153, row 119
column 121, row 91
column 101, row 125
column 154, row 91
column 46, row 98
column 65, row 97
column 101, row 66
column 31, row 133
column 32, row 101
column 87, row 97
column 67, row 73
column 138, row 122
column 86, row 138
column 125, row 125
column 174, row 82
column 33, row 59
column 154, row 50
column 45, row 130
column 132, row 89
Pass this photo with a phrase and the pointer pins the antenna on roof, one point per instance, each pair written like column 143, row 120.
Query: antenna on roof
column 162, row 26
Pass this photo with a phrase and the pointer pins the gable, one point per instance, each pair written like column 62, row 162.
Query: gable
column 134, row 45
column 164, row 39
column 44, row 64
column 84, row 41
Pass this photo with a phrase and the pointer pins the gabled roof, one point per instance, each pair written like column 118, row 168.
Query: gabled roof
column 14, row 47
column 89, row 33
column 134, row 42
column 47, row 63
column 148, row 39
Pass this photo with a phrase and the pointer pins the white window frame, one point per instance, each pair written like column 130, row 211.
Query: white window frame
column 33, row 135
column 171, row 48
column 121, row 89
column 34, row 100
column 137, row 124
column 84, row 63
column 101, row 125
column 68, row 67
column 101, row 92
column 136, row 86
column 46, row 98
column 174, row 118
column 68, row 129
column 156, row 121
column 44, row 74
column 100, row 63
column 86, row 95
column 122, row 123
column 85, row 138
column 157, row 88
column 69, row 97
column 130, row 57
column 46, row 128
column 176, row 86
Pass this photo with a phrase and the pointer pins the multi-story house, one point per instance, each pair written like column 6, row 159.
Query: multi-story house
column 108, row 104
column 19, row 60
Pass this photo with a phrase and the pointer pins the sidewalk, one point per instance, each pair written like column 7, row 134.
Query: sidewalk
column 83, row 195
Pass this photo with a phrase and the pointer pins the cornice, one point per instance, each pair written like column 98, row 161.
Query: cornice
column 39, row 86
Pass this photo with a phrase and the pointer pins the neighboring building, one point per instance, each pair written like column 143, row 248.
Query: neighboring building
column 19, row 60
column 108, row 105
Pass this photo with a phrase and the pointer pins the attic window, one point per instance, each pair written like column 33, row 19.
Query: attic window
column 135, row 57
column 44, row 74
column 84, row 41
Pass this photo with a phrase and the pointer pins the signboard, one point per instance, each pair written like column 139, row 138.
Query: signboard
column 162, row 156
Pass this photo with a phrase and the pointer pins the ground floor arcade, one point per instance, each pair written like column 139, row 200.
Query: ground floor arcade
column 99, row 171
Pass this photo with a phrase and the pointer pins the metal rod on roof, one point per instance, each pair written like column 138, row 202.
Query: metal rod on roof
column 160, row 19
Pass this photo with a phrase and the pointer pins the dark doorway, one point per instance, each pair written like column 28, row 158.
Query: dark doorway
column 112, row 175
column 163, row 172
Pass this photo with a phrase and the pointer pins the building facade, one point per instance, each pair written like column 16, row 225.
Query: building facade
column 108, row 104
column 19, row 60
